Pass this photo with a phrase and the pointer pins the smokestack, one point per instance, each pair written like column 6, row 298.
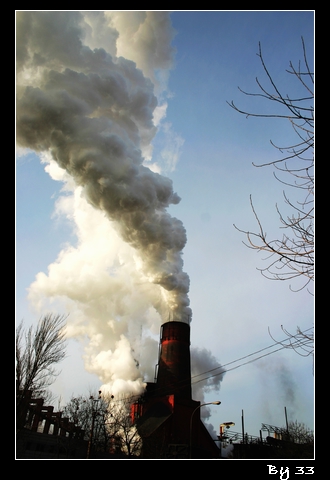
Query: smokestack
column 174, row 371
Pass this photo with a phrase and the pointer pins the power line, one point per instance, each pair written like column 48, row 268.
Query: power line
column 290, row 345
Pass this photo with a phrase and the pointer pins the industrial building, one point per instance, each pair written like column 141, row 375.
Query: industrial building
column 166, row 416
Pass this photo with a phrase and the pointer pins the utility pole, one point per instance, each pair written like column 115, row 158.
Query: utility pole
column 243, row 434
column 286, row 421
column 94, row 413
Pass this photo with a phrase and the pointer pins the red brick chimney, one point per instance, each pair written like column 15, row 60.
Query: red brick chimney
column 174, row 371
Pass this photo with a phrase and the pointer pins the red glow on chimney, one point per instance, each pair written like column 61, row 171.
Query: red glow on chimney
column 174, row 371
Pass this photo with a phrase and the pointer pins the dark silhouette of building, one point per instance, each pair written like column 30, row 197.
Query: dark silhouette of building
column 44, row 433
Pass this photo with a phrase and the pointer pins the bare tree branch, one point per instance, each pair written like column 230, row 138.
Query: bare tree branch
column 302, row 342
column 291, row 255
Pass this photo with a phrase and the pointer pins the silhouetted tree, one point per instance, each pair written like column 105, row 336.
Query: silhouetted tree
column 127, row 436
column 107, row 424
column 292, row 255
column 38, row 351
column 299, row 433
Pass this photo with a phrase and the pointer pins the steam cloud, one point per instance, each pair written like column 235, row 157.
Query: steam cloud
column 91, row 93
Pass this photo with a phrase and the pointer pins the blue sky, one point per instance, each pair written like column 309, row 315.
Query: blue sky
column 207, row 150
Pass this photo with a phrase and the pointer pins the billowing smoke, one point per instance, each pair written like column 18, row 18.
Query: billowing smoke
column 91, row 94
column 95, row 115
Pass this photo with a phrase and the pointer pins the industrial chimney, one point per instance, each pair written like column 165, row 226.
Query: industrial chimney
column 174, row 371
column 167, row 418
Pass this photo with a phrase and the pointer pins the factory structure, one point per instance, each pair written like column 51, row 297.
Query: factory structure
column 167, row 418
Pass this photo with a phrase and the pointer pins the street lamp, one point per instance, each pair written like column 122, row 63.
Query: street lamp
column 191, row 422
column 222, row 437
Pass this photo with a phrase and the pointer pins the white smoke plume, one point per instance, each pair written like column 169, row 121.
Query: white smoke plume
column 91, row 93
column 111, row 303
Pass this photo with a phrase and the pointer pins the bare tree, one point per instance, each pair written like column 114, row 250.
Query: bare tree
column 91, row 414
column 299, row 433
column 38, row 351
column 107, row 424
column 291, row 255
column 127, row 435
